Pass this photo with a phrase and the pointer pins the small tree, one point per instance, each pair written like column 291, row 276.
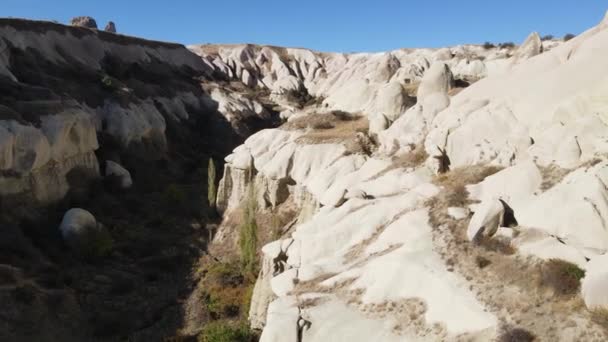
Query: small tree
column 547, row 37
column 488, row 45
column 248, row 233
column 568, row 36
column 211, row 187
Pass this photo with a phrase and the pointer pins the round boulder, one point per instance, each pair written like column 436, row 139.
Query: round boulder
column 78, row 227
column 114, row 169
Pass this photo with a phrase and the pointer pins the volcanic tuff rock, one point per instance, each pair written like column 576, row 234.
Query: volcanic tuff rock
column 64, row 87
column 87, row 22
column 379, row 83
column 381, row 266
column 110, row 27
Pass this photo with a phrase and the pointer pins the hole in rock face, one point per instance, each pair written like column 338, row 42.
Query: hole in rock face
column 508, row 218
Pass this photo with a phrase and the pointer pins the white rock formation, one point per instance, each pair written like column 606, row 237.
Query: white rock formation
column 117, row 170
column 594, row 285
column 374, row 261
column 363, row 82
column 487, row 219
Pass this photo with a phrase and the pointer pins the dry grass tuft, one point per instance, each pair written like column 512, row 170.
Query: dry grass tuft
column 454, row 192
column 334, row 127
column 482, row 262
column 561, row 276
column 600, row 316
column 553, row 174
column 412, row 159
column 497, row 245
column 512, row 334
column 320, row 120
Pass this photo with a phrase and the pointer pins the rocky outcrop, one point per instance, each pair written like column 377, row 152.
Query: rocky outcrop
column 110, row 27
column 410, row 129
column 87, row 22
column 531, row 47
column 64, row 86
column 370, row 83
column 380, row 217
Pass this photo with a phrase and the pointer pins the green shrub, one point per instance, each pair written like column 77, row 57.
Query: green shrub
column 568, row 36
column 110, row 83
column 248, row 233
column 488, row 45
column 211, row 187
column 174, row 196
column 222, row 331
column 563, row 277
column 95, row 244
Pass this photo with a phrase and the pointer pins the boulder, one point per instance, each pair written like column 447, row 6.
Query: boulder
column 77, row 228
column 110, row 27
column 487, row 219
column 123, row 175
column 84, row 22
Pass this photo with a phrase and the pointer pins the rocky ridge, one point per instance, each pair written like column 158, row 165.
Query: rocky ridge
column 382, row 253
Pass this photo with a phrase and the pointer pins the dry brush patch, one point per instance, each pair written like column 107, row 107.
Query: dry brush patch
column 562, row 277
column 510, row 286
column 554, row 174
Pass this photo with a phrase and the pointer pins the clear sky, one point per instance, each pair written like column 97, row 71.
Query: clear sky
column 338, row 25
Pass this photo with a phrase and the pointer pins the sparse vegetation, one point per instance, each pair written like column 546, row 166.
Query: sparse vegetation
column 334, row 127
column 174, row 196
column 497, row 245
column 223, row 290
column 568, row 36
column 211, row 185
column 412, row 159
column 488, row 45
column 454, row 192
column 512, row 334
column 600, row 316
column 547, row 37
column 248, row 232
column 110, row 83
column 225, row 331
column 482, row 262
column 96, row 244
column 506, row 45
column 562, row 276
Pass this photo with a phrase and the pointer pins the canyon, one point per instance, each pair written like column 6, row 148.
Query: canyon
column 453, row 194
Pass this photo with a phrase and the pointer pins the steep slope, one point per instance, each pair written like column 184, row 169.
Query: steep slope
column 79, row 109
column 449, row 228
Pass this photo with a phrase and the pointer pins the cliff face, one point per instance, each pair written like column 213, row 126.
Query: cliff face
column 72, row 101
column 447, row 225
column 64, row 88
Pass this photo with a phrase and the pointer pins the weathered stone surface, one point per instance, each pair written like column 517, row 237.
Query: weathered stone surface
column 110, row 27
column 116, row 170
column 84, row 21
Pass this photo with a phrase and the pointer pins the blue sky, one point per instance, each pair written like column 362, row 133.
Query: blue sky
column 337, row 25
